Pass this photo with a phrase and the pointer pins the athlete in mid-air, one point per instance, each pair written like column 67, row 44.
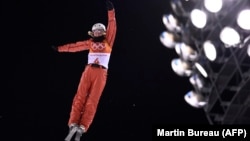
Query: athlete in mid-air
column 94, row 76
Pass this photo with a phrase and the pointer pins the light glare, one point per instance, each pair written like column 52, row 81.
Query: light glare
column 243, row 19
column 198, row 18
column 201, row 69
column 213, row 5
column 229, row 36
column 210, row 50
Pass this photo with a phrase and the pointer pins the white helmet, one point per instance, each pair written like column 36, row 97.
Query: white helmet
column 98, row 26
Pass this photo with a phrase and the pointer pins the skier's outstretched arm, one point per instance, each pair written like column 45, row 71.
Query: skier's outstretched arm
column 73, row 47
column 111, row 27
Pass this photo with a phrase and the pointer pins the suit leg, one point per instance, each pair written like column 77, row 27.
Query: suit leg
column 99, row 82
column 80, row 98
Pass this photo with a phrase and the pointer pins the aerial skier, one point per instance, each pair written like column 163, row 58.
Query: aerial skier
column 94, row 76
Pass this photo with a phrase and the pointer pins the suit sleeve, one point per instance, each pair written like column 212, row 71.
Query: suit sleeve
column 111, row 28
column 75, row 47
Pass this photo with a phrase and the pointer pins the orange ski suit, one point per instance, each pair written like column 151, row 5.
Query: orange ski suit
column 94, row 76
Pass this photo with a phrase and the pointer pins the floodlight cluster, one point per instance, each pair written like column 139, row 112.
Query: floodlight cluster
column 203, row 32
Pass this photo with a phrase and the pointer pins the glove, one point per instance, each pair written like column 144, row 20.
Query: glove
column 109, row 5
column 55, row 48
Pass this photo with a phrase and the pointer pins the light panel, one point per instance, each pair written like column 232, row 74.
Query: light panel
column 198, row 18
column 243, row 19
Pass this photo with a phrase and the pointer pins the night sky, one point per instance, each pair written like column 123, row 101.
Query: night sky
column 39, row 83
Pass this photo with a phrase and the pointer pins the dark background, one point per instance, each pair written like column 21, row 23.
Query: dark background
column 39, row 83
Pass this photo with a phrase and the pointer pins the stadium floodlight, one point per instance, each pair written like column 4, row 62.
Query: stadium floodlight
column 177, row 7
column 197, row 81
column 168, row 39
column 181, row 67
column 186, row 52
column 198, row 18
column 213, row 44
column 171, row 23
column 229, row 36
column 199, row 66
column 243, row 19
column 195, row 99
column 213, row 6
column 210, row 50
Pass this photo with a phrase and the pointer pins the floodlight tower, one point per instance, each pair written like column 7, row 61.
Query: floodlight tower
column 212, row 39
